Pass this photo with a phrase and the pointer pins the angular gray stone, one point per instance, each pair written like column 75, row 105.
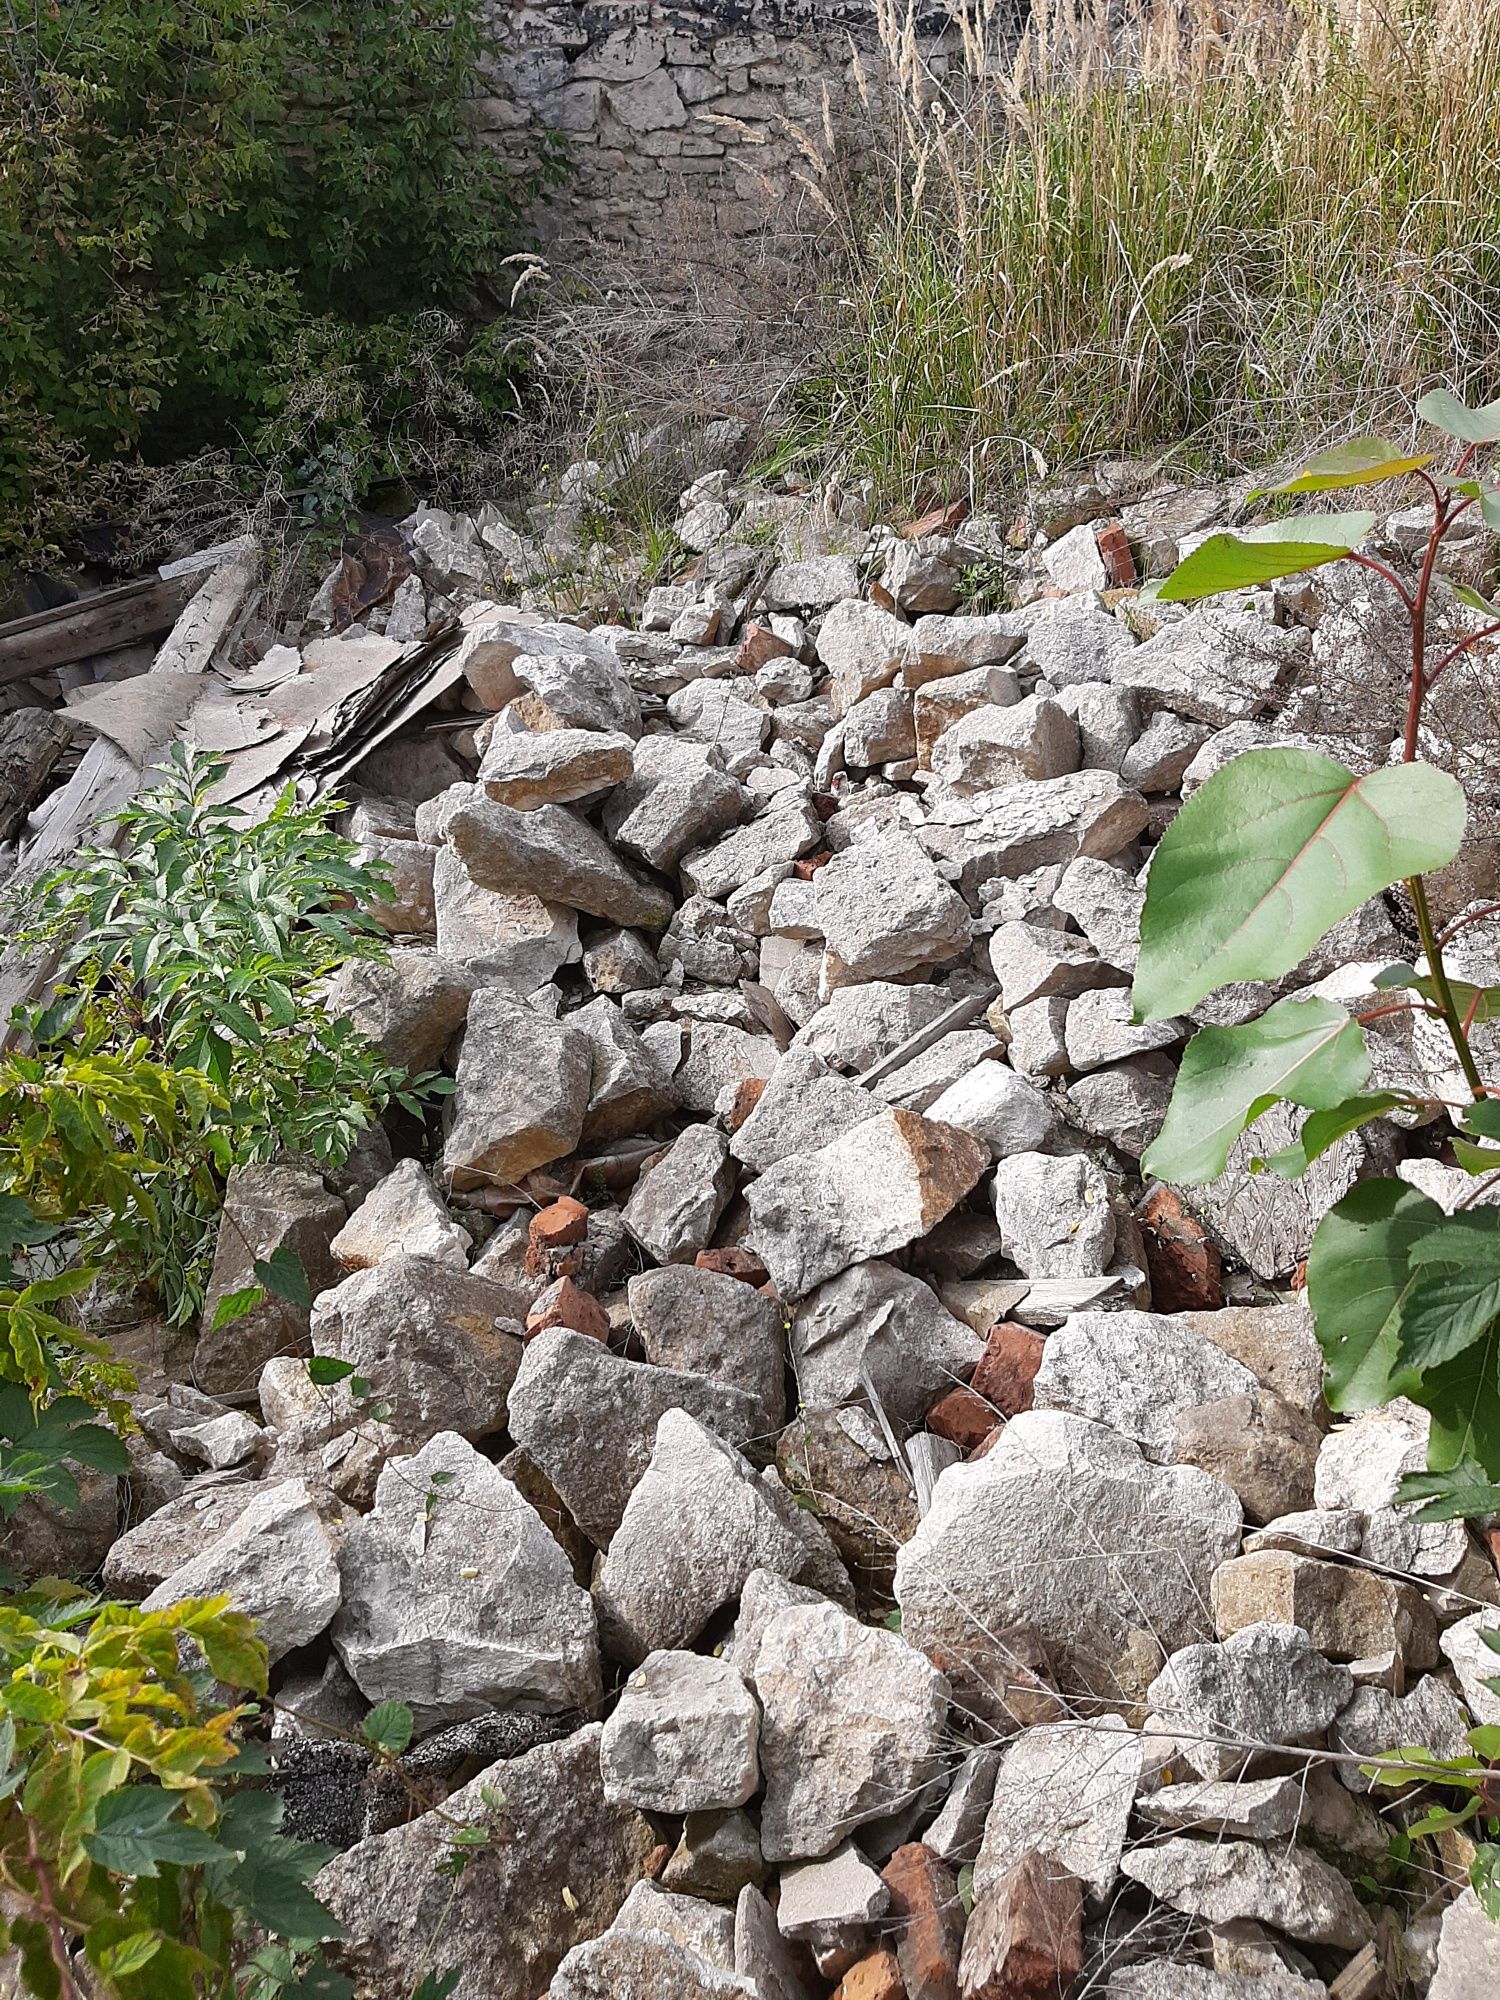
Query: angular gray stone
column 705, row 1323
column 498, row 939
column 1137, row 1372
column 1253, row 1809
column 441, row 1346
column 1376, row 1722
column 955, row 1835
column 527, row 769
column 678, row 796
column 175, row 1534
column 706, row 712
column 1016, row 828
column 1064, row 1791
column 627, row 1089
column 620, row 962
column 402, row 1213
column 409, row 1005
column 883, row 909
column 1362, row 1464
column 1065, row 1526
column 1106, row 905
column 1160, row 755
column 456, row 1597
column 521, row 1095
column 812, row 584
column 554, row 854
column 1077, row 641
column 590, row 1419
column 1055, row 1216
column 1124, row 1103
column 940, row 703
column 506, row 1922
column 1473, row 1662
column 1034, row 738
column 917, row 1084
column 1468, row 1958
column 1176, row 1979
column 675, row 1206
column 860, row 1024
column 787, row 828
column 875, row 1331
column 762, row 1953
column 948, row 645
column 1263, row 1687
column 682, row 1737
column 880, row 729
column 876, row 1188
column 267, row 1209
column 862, row 648
column 832, row 1907
column 1215, row 665
column 1003, row 1111
column 1225, row 1881
column 717, row 1856
column 577, row 686
column 1099, row 1030
column 1037, row 961
column 720, row 1056
column 1109, row 721
column 804, row 1105
column 698, row 1523
column 852, row 1727
column 275, row 1562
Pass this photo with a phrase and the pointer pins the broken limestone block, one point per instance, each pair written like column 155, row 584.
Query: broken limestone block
column 1362, row 1464
column 812, row 584
column 1037, row 1048
column 497, row 939
column 718, row 1854
column 697, row 1524
column 880, row 729
column 876, row 1188
column 682, row 1737
column 1265, row 1222
column 1276, row 1343
column 590, row 1419
column 1474, row 1663
column 553, row 854
column 404, row 1212
column 440, row 1346
column 275, row 1562
column 1077, row 642
column 883, row 909
column 1137, row 1372
column 1253, row 1809
column 1099, row 1030
column 457, row 1599
column 838, row 1463
column 1255, row 1442
column 1264, row 1686
column 404, row 907
column 1064, row 1791
column 922, row 574
column 1064, row 1526
column 268, row 1210
column 1349, row 1614
column 941, row 703
column 946, row 645
column 527, row 769
column 1162, row 752
column 852, row 1727
column 1106, row 905
column 577, row 686
column 1225, row 1881
column 720, row 1057
column 916, row 1085
column 408, row 1005
column 955, row 1835
column 787, row 828
column 1109, row 721
column 1124, row 1103
column 875, row 1332
column 677, row 796
column 620, row 962
column 804, row 1105
column 1017, row 828
column 862, row 648
column 175, row 1533
column 1034, row 961
column 1468, row 1953
column 675, row 1206
column 832, row 1906
column 561, row 1865
column 1003, row 1111
column 859, row 1025
column 1034, row 738
column 1376, row 1723
column 1215, row 665
column 705, row 1323
column 627, row 1091
column 521, row 1094
column 1055, row 1216
column 1073, row 561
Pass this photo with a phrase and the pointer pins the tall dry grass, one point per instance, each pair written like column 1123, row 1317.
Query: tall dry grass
column 1153, row 221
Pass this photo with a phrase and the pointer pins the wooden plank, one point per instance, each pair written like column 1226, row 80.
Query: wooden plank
column 95, row 624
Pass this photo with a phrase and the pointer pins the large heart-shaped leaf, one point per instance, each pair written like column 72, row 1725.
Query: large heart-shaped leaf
column 1363, row 461
column 1268, row 855
column 1357, row 1274
column 1260, row 555
column 1450, row 413
column 1464, row 1397
column 1305, row 1051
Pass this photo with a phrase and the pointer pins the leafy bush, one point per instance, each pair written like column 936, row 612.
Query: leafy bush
column 125, row 1833
column 234, row 216
column 1160, row 223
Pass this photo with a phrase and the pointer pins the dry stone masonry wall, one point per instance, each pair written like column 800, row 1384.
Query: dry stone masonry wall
column 688, row 125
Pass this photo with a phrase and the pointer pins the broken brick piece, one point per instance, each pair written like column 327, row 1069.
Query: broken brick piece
column 558, row 1226
column 1012, row 1355
column 565, row 1304
column 1025, row 1937
column 962, row 1417
column 928, row 1921
column 1186, row 1270
column 877, row 1977
column 733, row 1262
column 758, row 646
column 747, row 1095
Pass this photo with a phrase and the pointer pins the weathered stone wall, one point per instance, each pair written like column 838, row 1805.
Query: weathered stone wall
column 688, row 123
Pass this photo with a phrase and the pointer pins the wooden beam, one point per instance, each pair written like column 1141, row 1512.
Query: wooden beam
column 97, row 624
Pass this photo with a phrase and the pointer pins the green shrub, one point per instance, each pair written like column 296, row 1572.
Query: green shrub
column 213, row 212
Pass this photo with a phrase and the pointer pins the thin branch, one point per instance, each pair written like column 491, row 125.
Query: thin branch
column 1451, row 930
column 1456, row 652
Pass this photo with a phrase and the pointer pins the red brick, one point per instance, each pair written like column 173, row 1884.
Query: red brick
column 565, row 1304
column 656, row 1861
column 963, row 1417
column 758, row 646
column 1025, row 1938
column 929, row 1922
column 805, row 869
column 1114, row 547
column 1012, row 1355
column 877, row 1977
column 733, row 1262
column 939, row 521
column 747, row 1095
column 1186, row 1271
column 557, row 1227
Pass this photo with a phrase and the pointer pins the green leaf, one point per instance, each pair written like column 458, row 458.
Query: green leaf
column 135, row 1831
column 1325, row 1128
column 1269, row 854
column 1463, row 1396
column 130, row 1954
column 324, row 1370
column 235, row 1305
column 1447, row 412
column 1484, row 1879
column 1305, row 1051
column 265, row 1874
column 437, row 1985
column 1260, row 555
column 1475, row 1159
column 1482, row 1118
column 1484, row 1000
column 282, row 1273
column 1357, row 1274
column 388, row 1726
column 1461, row 1494
column 1363, row 461
column 1472, row 598
column 1453, row 1292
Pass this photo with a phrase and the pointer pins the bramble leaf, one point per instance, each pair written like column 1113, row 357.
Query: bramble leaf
column 1460, row 1494
column 324, row 1370
column 1260, row 555
column 1357, row 1274
column 388, row 1726
column 1454, row 1290
column 282, row 1273
column 1269, row 854
column 135, row 1830
column 1304, row 1051
column 1464, row 1397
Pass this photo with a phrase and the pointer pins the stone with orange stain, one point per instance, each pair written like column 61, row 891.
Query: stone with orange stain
column 877, row 1977
column 1025, row 1938
column 963, row 1417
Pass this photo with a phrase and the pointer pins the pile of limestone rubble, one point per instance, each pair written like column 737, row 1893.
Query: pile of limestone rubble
column 841, row 1529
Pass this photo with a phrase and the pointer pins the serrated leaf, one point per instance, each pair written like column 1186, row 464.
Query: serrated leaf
column 1307, row 1052
column 282, row 1273
column 388, row 1726
column 1454, row 1291
column 1357, row 1275
column 1269, row 854
column 235, row 1305
column 135, row 1831
column 1461, row 1494
column 1260, row 555
column 1322, row 1129
column 1447, row 412
column 1484, row 1879
column 1363, row 461
column 1463, row 1396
